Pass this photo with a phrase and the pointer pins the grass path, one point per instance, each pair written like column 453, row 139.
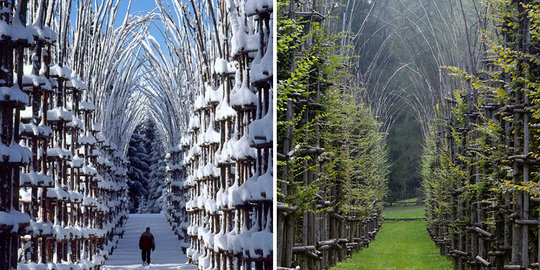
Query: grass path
column 416, row 211
column 399, row 245
column 409, row 200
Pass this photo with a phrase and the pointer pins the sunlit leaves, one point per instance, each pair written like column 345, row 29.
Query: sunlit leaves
column 319, row 108
column 473, row 156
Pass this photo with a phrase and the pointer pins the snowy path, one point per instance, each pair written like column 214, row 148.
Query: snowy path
column 167, row 255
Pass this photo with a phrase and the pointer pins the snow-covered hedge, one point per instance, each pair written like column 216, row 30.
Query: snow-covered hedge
column 69, row 178
column 220, row 171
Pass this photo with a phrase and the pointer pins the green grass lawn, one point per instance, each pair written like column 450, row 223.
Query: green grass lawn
column 416, row 211
column 398, row 245
column 409, row 200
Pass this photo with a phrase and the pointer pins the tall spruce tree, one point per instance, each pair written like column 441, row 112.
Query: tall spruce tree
column 147, row 169
column 157, row 185
column 138, row 170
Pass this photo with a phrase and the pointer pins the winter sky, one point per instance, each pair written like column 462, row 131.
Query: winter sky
column 136, row 6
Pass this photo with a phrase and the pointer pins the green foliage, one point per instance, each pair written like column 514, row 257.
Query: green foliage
column 317, row 108
column 467, row 149
column 357, row 155
column 405, row 149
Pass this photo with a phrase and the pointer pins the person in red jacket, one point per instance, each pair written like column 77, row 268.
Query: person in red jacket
column 146, row 243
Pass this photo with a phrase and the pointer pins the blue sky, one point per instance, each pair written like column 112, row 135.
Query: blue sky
column 138, row 6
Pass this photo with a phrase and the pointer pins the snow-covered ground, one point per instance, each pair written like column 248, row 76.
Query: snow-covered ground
column 167, row 255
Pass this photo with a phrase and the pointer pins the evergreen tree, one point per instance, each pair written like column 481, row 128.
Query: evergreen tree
column 147, row 169
column 157, row 183
column 138, row 170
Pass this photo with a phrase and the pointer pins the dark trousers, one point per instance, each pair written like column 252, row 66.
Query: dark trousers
column 145, row 255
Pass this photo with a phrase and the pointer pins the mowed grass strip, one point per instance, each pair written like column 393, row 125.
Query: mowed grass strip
column 409, row 200
column 398, row 245
column 416, row 211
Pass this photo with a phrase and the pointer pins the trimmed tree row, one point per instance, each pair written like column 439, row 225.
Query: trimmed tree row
column 63, row 184
column 480, row 163
column 332, row 164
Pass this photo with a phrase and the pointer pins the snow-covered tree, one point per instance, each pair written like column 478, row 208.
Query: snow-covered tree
column 218, row 58
column 94, row 81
